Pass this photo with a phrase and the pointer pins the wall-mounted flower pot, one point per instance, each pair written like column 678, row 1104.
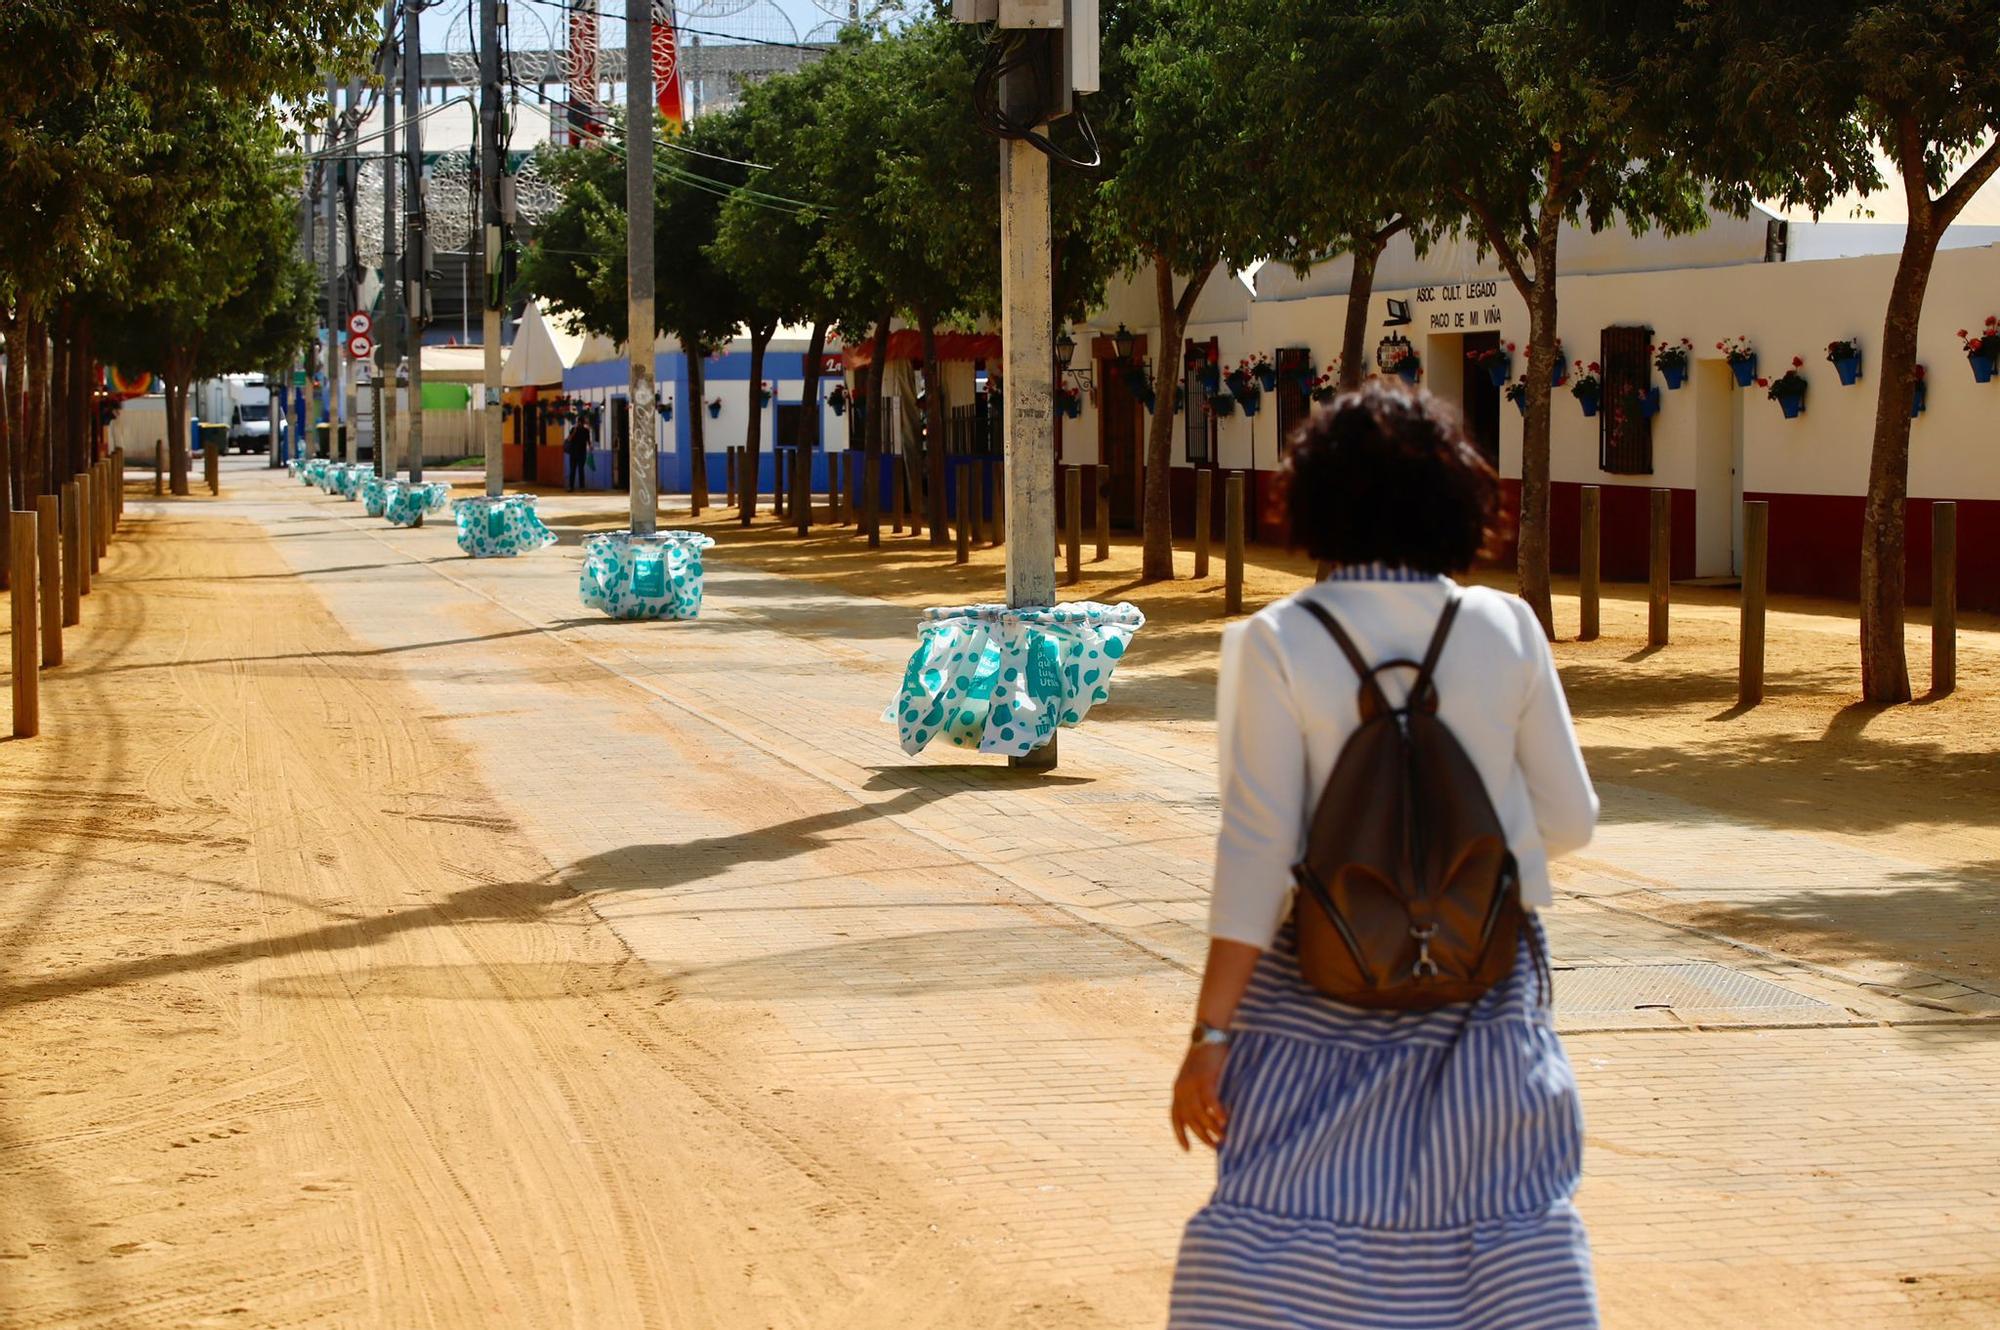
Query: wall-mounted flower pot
column 1499, row 370
column 1793, row 407
column 1675, row 375
column 666, row 412
column 1982, row 367
column 1558, row 373
column 1267, row 379
column 1849, row 369
column 1919, row 392
column 839, row 408
column 1745, row 371
column 1222, row 404
column 1409, row 374
column 715, row 410
column 1649, row 403
column 1073, row 408
column 1589, row 404
column 1252, row 403
column 1521, row 405
column 1211, row 377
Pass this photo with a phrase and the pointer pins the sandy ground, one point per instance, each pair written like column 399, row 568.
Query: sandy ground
column 301, row 1022
column 291, row 1036
column 1920, row 782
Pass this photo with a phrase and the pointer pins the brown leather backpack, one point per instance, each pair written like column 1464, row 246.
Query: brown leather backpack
column 1408, row 895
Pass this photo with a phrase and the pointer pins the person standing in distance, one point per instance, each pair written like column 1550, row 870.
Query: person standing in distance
column 575, row 445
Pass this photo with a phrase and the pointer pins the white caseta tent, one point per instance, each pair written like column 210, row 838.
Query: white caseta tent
column 542, row 350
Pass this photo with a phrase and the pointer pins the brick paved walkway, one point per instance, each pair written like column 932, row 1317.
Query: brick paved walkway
column 996, row 969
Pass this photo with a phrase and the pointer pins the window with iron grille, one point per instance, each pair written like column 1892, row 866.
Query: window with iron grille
column 1294, row 393
column 1198, row 424
column 1624, row 421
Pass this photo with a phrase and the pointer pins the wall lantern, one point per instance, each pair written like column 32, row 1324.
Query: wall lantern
column 1121, row 344
column 1065, row 350
column 1082, row 380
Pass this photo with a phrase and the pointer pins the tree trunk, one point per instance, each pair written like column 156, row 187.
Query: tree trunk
column 14, row 408
column 178, row 376
column 63, row 459
column 934, row 436
column 86, row 380
column 1156, row 522
column 878, row 433
column 753, row 434
column 35, row 407
column 807, row 441
column 1367, row 251
column 1531, row 554
column 1885, row 672
column 8, row 483
column 696, row 409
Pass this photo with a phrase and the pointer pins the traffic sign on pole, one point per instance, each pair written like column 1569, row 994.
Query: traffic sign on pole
column 359, row 324
column 360, row 346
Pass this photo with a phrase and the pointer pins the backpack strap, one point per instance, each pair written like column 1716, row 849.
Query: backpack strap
column 1425, row 686
column 1374, row 701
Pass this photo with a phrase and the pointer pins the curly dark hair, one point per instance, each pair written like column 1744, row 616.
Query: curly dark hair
column 1386, row 475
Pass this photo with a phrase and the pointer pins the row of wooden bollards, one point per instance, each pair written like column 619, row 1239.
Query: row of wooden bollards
column 1235, row 527
column 1756, row 582
column 54, row 550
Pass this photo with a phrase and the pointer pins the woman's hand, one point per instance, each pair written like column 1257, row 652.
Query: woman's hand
column 1197, row 1108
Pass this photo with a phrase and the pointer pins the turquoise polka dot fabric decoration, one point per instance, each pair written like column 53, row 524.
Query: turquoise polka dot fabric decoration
column 1001, row 680
column 374, row 494
column 315, row 472
column 500, row 528
column 644, row 577
column 296, row 468
column 346, row 477
column 407, row 501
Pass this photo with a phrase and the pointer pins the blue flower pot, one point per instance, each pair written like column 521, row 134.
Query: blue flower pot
column 839, row 408
column 1223, row 406
column 1589, row 405
column 715, row 410
column 1917, row 403
column 1500, row 371
column 1849, row 369
column 1675, row 375
column 1072, row 409
column 1558, row 373
column 1982, row 367
column 1792, row 406
column 1252, row 404
column 1521, row 405
column 1409, row 374
column 667, row 411
column 1267, row 379
column 1211, row 377
column 1650, row 403
column 1745, row 371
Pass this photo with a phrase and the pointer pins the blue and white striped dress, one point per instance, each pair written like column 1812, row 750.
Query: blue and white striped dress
column 1392, row 1170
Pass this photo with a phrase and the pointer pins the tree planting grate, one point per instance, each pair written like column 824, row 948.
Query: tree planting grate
column 1699, row 989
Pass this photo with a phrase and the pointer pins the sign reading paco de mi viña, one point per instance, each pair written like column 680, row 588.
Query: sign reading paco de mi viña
column 1466, row 306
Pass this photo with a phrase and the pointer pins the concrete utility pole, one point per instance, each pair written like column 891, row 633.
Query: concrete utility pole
column 330, row 363
column 388, row 335
column 416, row 246
column 492, row 164
column 350, row 283
column 644, row 468
column 309, row 210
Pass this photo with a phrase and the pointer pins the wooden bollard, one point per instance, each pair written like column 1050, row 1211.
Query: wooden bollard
column 1072, row 525
column 964, row 552
column 1204, row 504
column 1944, row 598
column 118, row 489
column 1000, row 501
column 85, row 564
column 729, row 476
column 72, row 557
column 211, row 466
column 159, row 466
column 802, row 491
column 48, row 554
column 1662, row 565
column 1756, row 573
column 896, row 497
column 1590, row 527
column 1102, row 484
column 27, row 663
column 1233, row 536
column 779, row 490
column 101, row 487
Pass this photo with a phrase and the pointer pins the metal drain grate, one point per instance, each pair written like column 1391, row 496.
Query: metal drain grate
column 1699, row 988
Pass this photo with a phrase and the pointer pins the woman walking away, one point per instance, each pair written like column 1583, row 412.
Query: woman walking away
column 1374, row 1059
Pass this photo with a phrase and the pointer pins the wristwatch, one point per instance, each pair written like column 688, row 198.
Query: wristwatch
column 1205, row 1034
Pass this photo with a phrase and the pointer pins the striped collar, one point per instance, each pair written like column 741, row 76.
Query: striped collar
column 1376, row 572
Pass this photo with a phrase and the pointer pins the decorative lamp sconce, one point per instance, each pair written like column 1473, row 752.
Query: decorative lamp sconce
column 1390, row 351
column 1081, row 380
